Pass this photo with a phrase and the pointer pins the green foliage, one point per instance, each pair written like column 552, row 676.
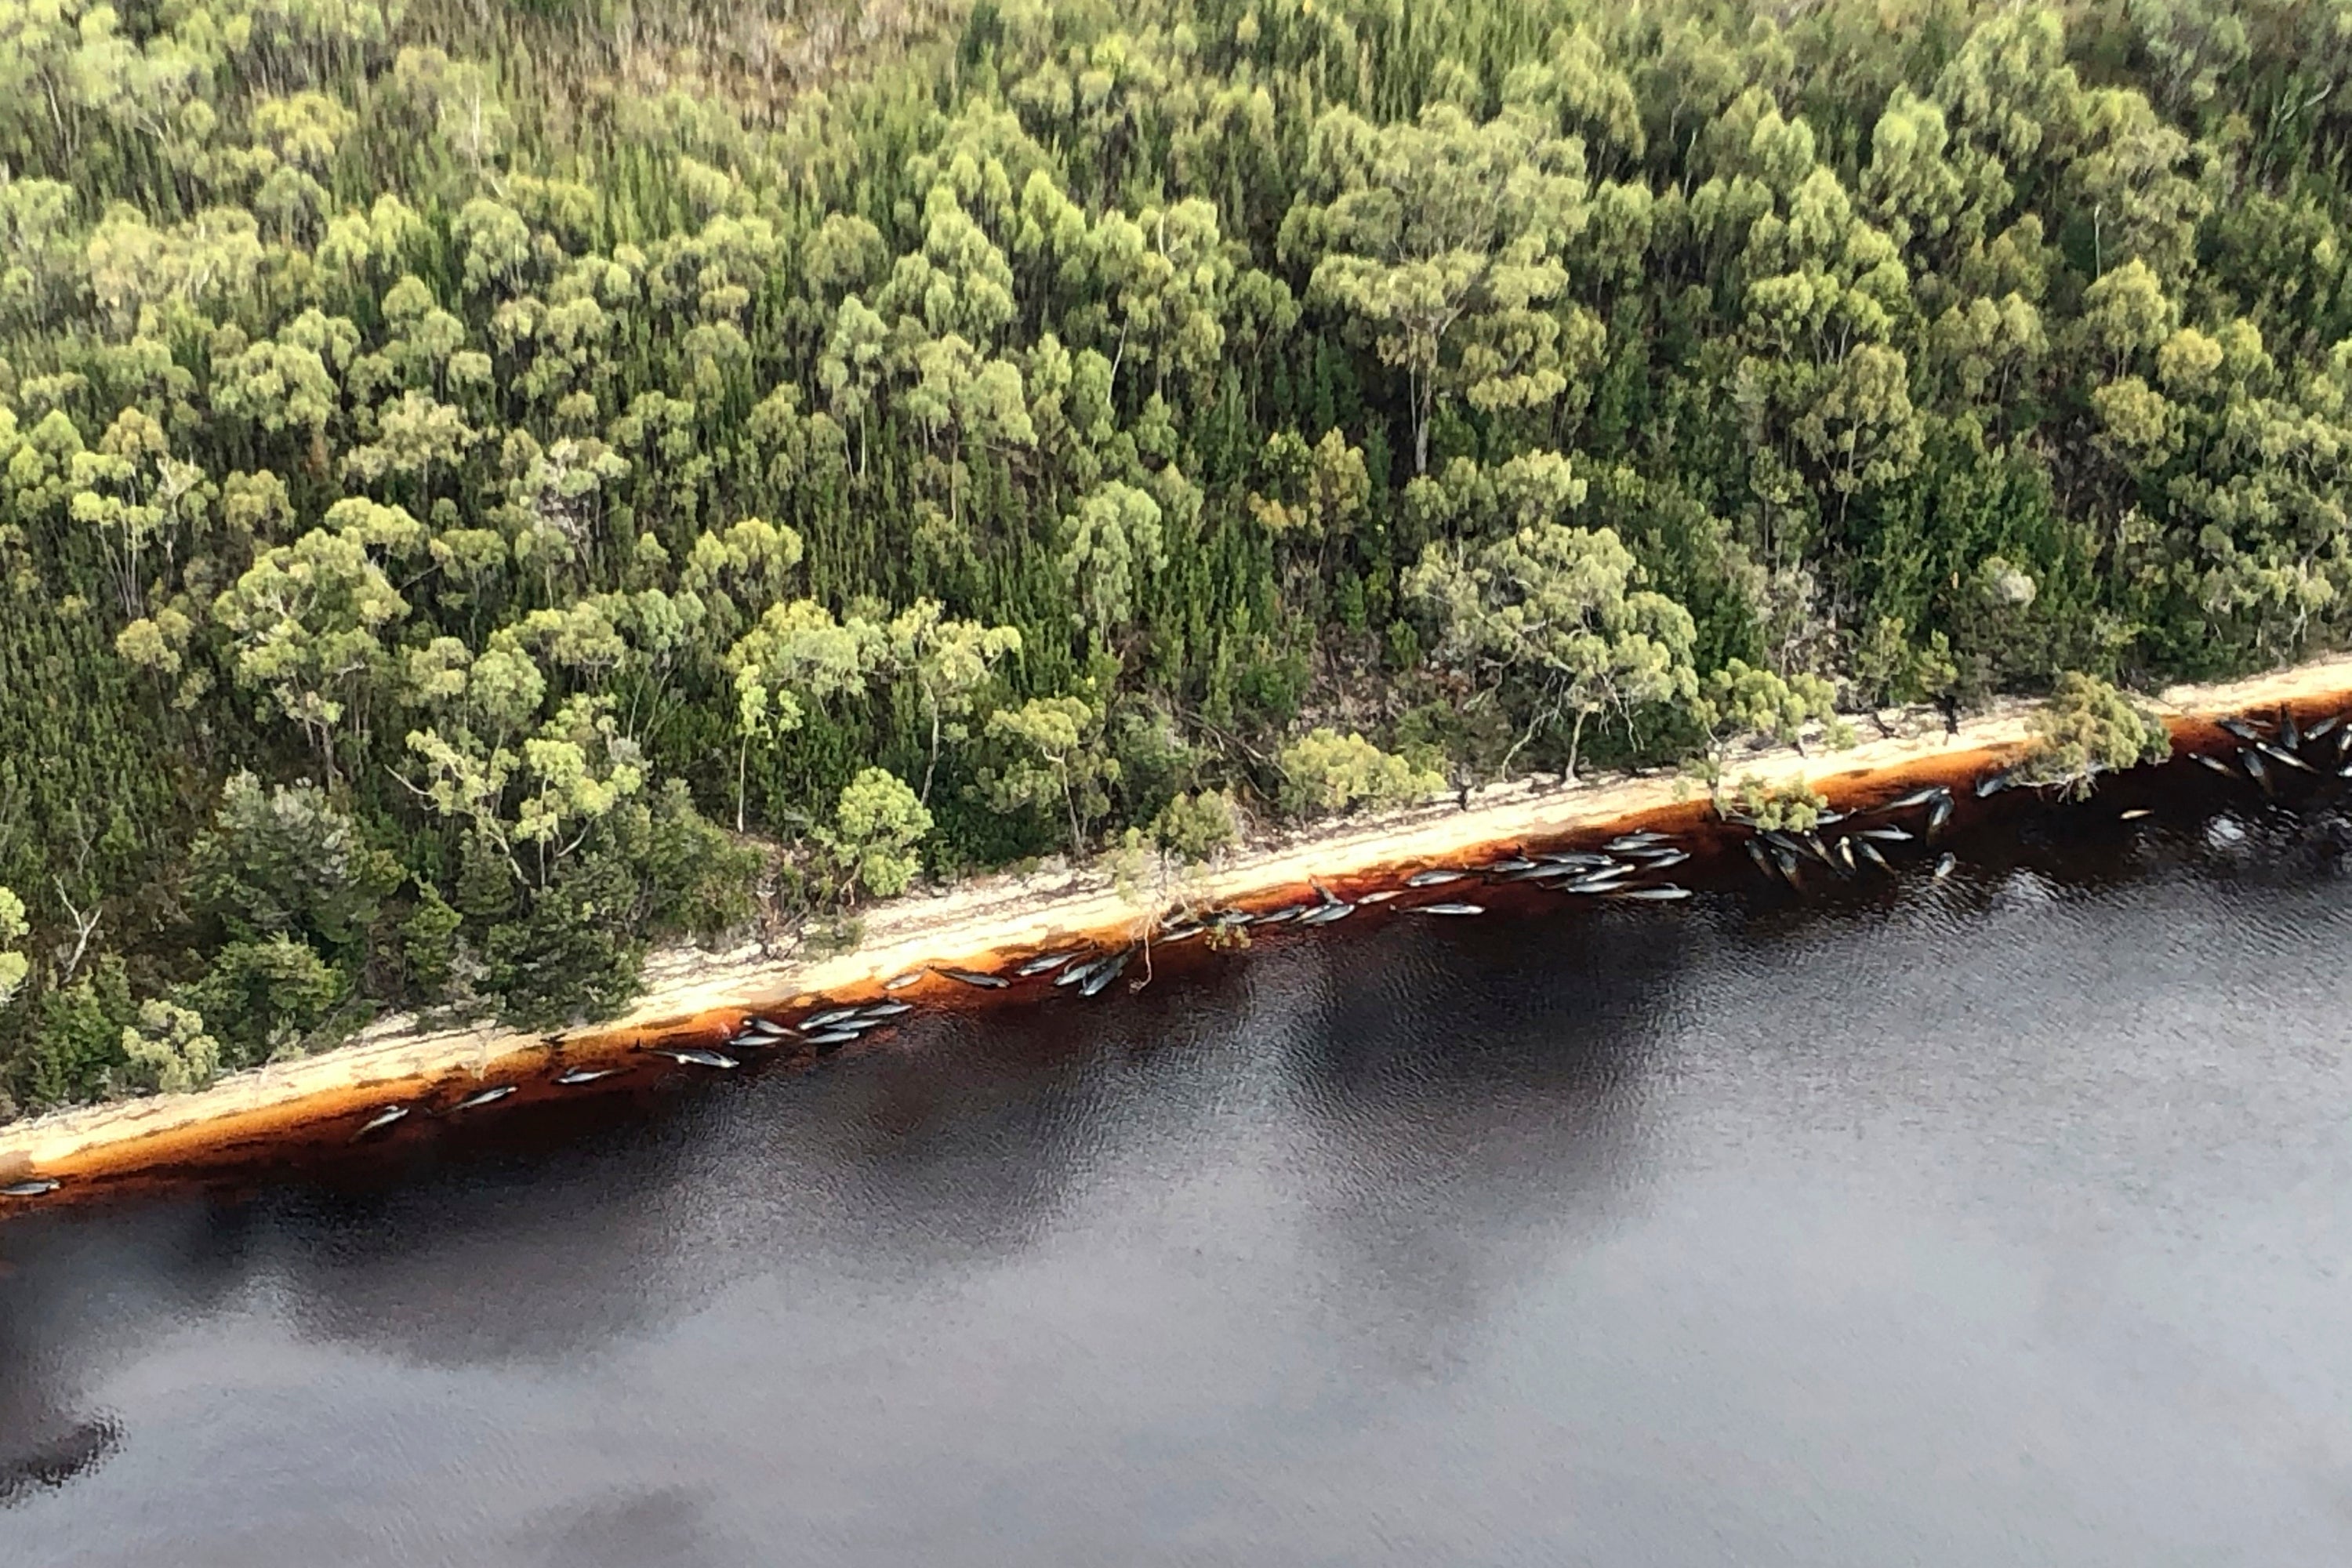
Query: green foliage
column 572, row 955
column 14, row 965
column 1052, row 757
column 288, row 861
column 1788, row 808
column 1441, row 235
column 875, row 830
column 1553, row 611
column 1113, row 542
column 1194, row 827
column 169, row 1051
column 268, row 998
column 73, row 1053
column 950, row 662
column 693, row 880
column 2088, row 727
column 428, row 943
column 1740, row 699
column 1324, row 773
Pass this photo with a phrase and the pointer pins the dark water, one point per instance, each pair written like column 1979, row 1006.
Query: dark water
column 2004, row 1222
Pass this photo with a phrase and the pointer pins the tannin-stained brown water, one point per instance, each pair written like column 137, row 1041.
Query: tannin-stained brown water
column 2003, row 1219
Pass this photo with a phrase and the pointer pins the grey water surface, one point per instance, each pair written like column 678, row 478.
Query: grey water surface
column 1999, row 1222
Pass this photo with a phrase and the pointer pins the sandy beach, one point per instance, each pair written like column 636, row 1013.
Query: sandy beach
column 695, row 995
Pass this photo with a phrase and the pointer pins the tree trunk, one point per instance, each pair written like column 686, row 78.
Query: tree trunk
column 1421, row 399
column 924, row 794
column 324, row 736
column 1575, row 740
column 1525, row 735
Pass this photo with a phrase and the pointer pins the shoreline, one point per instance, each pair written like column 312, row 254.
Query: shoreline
column 694, row 996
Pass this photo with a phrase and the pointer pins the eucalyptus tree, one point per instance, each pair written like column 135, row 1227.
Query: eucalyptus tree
column 307, row 621
column 952, row 662
column 1052, row 756
column 1110, row 544
column 797, row 654
column 1441, row 233
column 1557, row 612
column 1324, row 773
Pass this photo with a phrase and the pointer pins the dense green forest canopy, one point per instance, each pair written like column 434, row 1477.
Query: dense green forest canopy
column 460, row 461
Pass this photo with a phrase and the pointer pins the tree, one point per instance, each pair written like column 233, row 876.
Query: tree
column 1324, row 773
column 1110, row 543
column 1914, row 193
column 1555, row 609
column 1793, row 808
column 288, row 383
column 136, row 497
column 1054, row 753
column 2086, row 728
column 875, row 829
column 573, row 771
column 1741, row 699
column 2128, row 177
column 798, row 653
column 573, row 953
column 75, row 1050
column 288, row 861
column 746, row 563
column 854, row 364
column 1166, row 272
column 1195, row 826
column 1441, row 232
column 950, row 662
column 170, row 1049
column 1319, row 493
column 267, row 998
column 307, row 621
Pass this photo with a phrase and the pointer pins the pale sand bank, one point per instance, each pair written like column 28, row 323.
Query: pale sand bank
column 395, row 1062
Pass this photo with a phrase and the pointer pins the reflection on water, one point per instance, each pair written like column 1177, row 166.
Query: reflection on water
column 1998, row 1221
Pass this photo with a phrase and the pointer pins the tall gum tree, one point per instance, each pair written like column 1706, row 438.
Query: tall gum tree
column 1557, row 612
column 1441, row 230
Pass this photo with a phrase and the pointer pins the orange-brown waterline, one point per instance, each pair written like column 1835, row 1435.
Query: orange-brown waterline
column 260, row 1138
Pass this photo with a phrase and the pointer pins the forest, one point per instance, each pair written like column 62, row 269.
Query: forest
column 489, row 486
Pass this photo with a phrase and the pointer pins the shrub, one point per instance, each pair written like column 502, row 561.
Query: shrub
column 1324, row 773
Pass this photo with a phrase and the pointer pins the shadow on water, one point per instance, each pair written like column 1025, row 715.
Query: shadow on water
column 36, row 1460
column 955, row 1147
column 1423, row 1070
